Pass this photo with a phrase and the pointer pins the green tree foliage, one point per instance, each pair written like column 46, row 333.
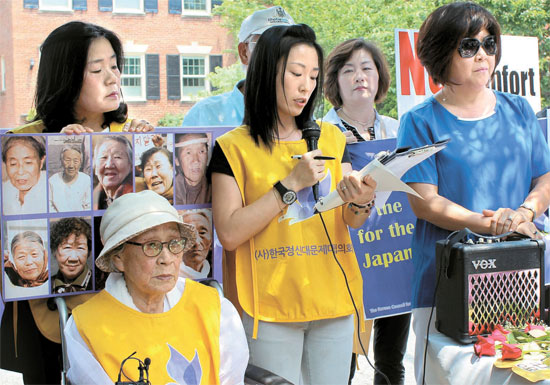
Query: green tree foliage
column 376, row 20
column 171, row 120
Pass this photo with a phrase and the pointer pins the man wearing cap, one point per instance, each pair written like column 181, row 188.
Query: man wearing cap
column 182, row 331
column 228, row 109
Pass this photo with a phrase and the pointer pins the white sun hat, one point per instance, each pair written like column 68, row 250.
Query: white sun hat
column 263, row 19
column 133, row 214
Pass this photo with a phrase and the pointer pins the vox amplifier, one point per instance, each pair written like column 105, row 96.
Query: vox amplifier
column 486, row 281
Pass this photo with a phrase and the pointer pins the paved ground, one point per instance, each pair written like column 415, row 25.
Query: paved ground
column 365, row 374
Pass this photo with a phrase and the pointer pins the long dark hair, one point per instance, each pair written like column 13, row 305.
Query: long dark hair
column 260, row 96
column 63, row 59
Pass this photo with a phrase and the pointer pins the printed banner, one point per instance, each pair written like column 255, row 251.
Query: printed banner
column 55, row 189
column 383, row 244
column 517, row 72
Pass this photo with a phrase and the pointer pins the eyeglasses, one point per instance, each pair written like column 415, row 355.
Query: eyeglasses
column 154, row 248
column 469, row 46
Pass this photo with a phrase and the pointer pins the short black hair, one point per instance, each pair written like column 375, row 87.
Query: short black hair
column 65, row 227
column 260, row 96
column 444, row 29
column 63, row 57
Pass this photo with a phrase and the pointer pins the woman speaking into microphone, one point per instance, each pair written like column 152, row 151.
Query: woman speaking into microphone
column 297, row 309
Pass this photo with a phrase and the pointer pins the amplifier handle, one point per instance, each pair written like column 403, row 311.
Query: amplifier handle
column 461, row 236
column 513, row 234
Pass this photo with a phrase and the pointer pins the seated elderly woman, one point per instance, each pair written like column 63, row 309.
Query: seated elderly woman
column 113, row 169
column 70, row 188
column 189, row 333
column 71, row 244
column 27, row 268
column 158, row 172
column 24, row 191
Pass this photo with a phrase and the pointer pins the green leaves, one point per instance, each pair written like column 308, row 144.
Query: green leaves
column 376, row 20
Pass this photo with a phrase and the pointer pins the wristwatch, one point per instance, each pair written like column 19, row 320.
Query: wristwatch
column 288, row 196
column 530, row 207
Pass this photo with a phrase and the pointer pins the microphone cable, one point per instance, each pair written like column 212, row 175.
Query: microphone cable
column 347, row 285
column 352, row 300
column 142, row 367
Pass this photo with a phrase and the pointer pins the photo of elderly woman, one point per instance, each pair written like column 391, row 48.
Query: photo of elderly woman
column 192, row 154
column 24, row 181
column 196, row 261
column 112, row 164
column 155, row 168
column 71, row 247
column 25, row 259
column 70, row 182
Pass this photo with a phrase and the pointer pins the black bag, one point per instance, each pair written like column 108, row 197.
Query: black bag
column 484, row 281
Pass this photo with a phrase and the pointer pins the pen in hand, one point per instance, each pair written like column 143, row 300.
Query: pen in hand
column 318, row 157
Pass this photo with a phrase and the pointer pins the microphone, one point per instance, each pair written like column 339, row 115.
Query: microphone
column 311, row 133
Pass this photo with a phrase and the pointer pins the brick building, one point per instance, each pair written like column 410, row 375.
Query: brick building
column 169, row 45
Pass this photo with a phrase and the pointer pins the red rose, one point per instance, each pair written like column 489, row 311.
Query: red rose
column 497, row 335
column 510, row 352
column 530, row 327
column 485, row 346
column 501, row 329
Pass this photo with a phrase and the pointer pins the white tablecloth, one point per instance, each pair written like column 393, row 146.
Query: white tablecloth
column 449, row 362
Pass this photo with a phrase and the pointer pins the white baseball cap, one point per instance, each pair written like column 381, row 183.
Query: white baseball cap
column 263, row 19
column 133, row 214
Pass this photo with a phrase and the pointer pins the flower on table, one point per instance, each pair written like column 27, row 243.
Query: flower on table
column 497, row 335
column 510, row 352
column 485, row 346
column 530, row 327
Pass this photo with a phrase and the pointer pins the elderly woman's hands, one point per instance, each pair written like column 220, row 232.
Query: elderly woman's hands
column 356, row 189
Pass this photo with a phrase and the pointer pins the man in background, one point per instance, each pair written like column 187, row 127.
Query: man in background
column 227, row 109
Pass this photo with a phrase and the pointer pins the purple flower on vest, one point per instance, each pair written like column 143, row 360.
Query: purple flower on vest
column 183, row 371
column 302, row 209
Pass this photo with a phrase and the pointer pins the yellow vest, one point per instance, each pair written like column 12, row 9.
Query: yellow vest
column 37, row 127
column 187, row 334
column 286, row 272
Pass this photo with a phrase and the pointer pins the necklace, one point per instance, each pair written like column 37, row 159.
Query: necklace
column 286, row 137
column 363, row 124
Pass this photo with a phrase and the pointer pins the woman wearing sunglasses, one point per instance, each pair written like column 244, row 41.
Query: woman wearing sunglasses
column 493, row 176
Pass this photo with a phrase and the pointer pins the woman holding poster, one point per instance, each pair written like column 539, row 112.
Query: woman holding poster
column 78, row 90
column 297, row 308
column 357, row 77
column 494, row 175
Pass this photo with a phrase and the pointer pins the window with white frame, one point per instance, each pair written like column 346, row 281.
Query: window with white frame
column 193, row 75
column 133, row 77
column 128, row 6
column 55, row 5
column 3, row 73
column 196, row 7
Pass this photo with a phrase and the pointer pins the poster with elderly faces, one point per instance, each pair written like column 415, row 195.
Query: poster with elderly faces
column 56, row 187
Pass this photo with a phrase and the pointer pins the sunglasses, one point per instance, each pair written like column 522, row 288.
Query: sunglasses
column 469, row 46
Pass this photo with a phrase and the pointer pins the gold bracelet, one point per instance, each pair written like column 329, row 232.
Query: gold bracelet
column 277, row 199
